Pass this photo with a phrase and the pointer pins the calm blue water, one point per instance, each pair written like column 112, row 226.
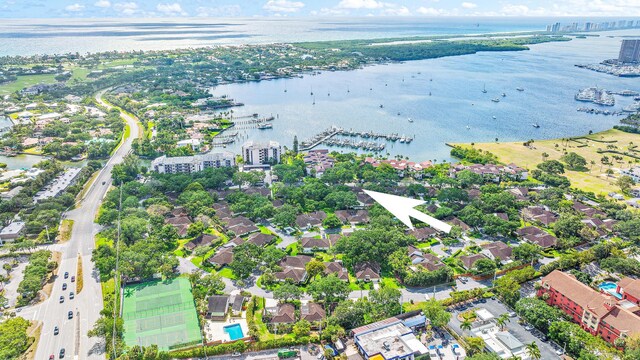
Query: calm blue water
column 234, row 331
column 546, row 72
column 55, row 36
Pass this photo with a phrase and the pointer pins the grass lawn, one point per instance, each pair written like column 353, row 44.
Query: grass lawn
column 225, row 272
column 595, row 179
column 179, row 251
column 263, row 331
column 390, row 282
column 64, row 232
column 33, row 151
column 26, row 81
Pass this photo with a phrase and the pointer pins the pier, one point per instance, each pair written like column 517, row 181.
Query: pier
column 327, row 137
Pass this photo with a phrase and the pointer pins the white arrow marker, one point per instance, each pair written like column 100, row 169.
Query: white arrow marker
column 403, row 209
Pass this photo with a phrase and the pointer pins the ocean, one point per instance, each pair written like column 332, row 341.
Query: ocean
column 56, row 36
column 443, row 97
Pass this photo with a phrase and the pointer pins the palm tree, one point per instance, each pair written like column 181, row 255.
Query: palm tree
column 465, row 325
column 545, row 156
column 502, row 320
column 533, row 351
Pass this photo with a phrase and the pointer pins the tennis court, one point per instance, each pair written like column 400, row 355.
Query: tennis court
column 161, row 313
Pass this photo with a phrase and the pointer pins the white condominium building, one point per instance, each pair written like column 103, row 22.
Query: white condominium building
column 190, row 164
column 254, row 153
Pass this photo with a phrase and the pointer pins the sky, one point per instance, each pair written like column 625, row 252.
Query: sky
column 312, row 8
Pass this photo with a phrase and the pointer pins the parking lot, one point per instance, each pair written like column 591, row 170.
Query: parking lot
column 518, row 330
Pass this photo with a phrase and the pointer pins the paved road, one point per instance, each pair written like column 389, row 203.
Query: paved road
column 87, row 305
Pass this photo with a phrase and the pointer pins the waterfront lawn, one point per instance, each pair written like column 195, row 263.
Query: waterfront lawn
column 594, row 179
column 26, row 81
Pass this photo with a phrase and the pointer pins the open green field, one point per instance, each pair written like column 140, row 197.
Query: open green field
column 591, row 147
column 26, row 81
column 160, row 312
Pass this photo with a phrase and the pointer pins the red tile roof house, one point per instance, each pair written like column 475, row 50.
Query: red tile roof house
column 469, row 260
column 368, row 271
column 242, row 230
column 293, row 269
column 283, row 314
column 536, row 235
column 336, row 268
column 457, row 222
column 312, row 312
column 597, row 313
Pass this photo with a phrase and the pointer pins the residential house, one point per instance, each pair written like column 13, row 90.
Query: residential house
column 318, row 161
column 423, row 233
column 284, row 313
column 353, row 216
column 387, row 339
column 202, row 240
column 424, row 259
column 336, row 268
column 312, row 312
column 12, row 231
column 181, row 223
column 537, row 236
column 629, row 288
column 217, row 306
column 221, row 258
column 293, row 268
column 469, row 260
column 457, row 222
column 367, row 271
column 260, row 239
column 497, row 250
column 539, row 214
column 307, row 221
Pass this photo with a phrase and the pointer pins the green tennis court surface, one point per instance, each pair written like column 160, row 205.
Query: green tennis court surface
column 161, row 313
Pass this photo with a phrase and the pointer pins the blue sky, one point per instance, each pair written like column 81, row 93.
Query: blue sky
column 296, row 8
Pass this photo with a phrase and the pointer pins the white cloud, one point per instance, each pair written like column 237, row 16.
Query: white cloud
column 469, row 5
column 102, row 4
column 127, row 8
column 430, row 11
column 283, row 6
column 171, row 9
column 360, row 4
column 397, row 11
column 74, row 7
column 220, row 11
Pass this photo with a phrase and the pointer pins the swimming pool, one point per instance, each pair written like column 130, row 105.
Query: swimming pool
column 234, row 331
column 610, row 288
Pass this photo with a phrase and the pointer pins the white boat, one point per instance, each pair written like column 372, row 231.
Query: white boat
column 265, row 126
column 484, row 89
column 494, row 117
column 535, row 125
column 410, row 120
column 496, row 100
column 504, row 95
column 520, row 89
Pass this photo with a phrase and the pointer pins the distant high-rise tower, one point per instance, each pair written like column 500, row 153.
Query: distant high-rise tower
column 629, row 51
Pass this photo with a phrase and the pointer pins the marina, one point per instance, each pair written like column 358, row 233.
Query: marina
column 327, row 137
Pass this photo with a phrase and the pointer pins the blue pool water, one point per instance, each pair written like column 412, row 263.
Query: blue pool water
column 610, row 288
column 234, row 331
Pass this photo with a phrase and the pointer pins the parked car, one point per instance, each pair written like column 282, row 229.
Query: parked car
column 528, row 327
column 61, row 299
column 73, row 279
column 62, row 353
column 70, row 315
column 71, row 295
column 64, row 286
column 56, row 331
column 52, row 357
column 66, row 274
column 512, row 314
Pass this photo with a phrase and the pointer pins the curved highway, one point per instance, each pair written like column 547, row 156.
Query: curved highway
column 86, row 305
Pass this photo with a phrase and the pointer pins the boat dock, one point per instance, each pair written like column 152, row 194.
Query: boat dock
column 327, row 137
